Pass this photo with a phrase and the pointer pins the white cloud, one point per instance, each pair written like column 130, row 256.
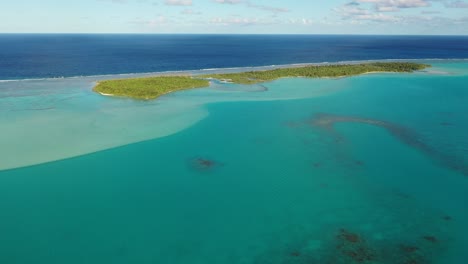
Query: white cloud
column 178, row 2
column 124, row 1
column 300, row 21
column 395, row 5
column 268, row 8
column 235, row 21
column 306, row 21
column 253, row 5
column 359, row 12
column 398, row 3
column 242, row 21
column 354, row 13
column 228, row 1
column 456, row 4
column 115, row 1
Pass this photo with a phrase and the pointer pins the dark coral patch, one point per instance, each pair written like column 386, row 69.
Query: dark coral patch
column 408, row 248
column 348, row 236
column 350, row 247
column 360, row 254
column 203, row 164
column 359, row 163
column 206, row 163
column 447, row 218
column 431, row 239
column 355, row 248
column 402, row 194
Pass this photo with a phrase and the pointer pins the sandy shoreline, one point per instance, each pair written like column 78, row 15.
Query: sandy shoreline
column 106, row 94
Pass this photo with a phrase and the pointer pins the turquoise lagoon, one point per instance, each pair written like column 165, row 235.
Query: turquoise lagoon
column 367, row 169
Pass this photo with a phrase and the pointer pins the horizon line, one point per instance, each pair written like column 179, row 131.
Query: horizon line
column 252, row 34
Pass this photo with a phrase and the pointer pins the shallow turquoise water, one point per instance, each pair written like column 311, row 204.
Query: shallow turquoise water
column 253, row 180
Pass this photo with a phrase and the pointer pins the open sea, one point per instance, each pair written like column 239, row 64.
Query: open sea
column 365, row 169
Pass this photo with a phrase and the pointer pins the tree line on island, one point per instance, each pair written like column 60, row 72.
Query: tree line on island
column 336, row 70
column 153, row 87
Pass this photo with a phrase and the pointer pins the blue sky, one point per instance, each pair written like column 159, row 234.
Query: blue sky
column 236, row 16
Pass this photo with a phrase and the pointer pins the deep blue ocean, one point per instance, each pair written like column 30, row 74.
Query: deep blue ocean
column 49, row 56
column 360, row 170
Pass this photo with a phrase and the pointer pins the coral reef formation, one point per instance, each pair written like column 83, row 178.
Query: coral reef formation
column 405, row 135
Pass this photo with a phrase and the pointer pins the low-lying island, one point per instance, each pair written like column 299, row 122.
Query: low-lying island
column 154, row 87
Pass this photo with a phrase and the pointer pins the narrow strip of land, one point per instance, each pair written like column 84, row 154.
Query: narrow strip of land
column 337, row 70
column 153, row 87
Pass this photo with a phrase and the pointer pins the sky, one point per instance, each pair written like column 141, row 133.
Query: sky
column 426, row 17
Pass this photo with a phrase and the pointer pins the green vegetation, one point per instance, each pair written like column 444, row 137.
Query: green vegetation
column 148, row 88
column 153, row 87
column 317, row 71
